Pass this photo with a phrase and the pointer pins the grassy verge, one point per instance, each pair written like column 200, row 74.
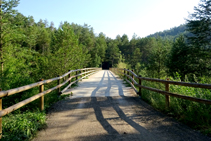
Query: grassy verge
column 193, row 114
column 23, row 124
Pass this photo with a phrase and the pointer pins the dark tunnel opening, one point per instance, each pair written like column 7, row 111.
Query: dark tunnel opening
column 106, row 65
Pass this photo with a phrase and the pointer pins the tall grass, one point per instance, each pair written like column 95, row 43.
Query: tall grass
column 194, row 114
column 24, row 123
column 19, row 127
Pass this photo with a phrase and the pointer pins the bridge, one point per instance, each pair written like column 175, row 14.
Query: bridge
column 103, row 108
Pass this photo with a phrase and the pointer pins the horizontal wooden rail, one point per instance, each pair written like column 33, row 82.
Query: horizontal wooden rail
column 27, row 87
column 26, row 101
column 205, row 101
column 166, row 82
column 196, row 85
column 91, row 72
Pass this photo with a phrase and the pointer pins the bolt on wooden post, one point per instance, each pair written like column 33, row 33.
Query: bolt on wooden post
column 139, row 92
column 167, row 96
column 0, row 117
column 42, row 97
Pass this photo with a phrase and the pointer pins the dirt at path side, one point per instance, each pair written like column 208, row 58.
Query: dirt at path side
column 111, row 118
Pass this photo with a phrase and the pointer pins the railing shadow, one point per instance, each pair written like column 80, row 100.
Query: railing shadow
column 114, row 105
column 120, row 106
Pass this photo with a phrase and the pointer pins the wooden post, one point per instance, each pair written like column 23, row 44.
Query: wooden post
column 81, row 74
column 139, row 92
column 0, row 117
column 69, row 77
column 167, row 96
column 42, row 97
column 132, row 77
column 58, row 83
column 76, row 73
column 128, row 74
column 124, row 73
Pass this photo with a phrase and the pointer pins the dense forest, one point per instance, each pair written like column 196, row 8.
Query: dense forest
column 172, row 33
column 32, row 50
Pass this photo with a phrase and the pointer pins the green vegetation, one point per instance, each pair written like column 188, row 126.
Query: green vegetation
column 193, row 114
column 23, row 126
column 172, row 33
column 30, row 51
column 180, row 57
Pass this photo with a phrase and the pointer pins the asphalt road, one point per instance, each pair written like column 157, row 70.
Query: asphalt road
column 103, row 109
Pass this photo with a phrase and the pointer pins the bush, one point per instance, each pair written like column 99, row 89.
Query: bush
column 194, row 114
column 23, row 126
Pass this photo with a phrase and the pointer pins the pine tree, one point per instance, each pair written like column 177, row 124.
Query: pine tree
column 6, row 11
column 178, row 60
column 199, row 39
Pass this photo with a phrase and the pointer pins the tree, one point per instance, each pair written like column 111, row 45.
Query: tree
column 43, row 40
column 135, row 58
column 67, row 53
column 112, row 52
column 199, row 26
column 6, row 11
column 100, row 49
column 178, row 60
column 87, row 39
column 158, row 58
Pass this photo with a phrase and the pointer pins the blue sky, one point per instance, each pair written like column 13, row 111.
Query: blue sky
column 112, row 17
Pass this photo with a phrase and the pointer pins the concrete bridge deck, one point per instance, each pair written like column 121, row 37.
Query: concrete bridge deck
column 103, row 109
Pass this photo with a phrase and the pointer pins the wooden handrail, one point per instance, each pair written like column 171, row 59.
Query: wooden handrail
column 166, row 82
column 88, row 71
column 196, row 85
column 27, row 87
column 42, row 93
column 91, row 72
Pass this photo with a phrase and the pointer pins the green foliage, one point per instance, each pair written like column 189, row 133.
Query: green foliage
column 199, row 25
column 178, row 59
column 136, row 57
column 122, row 65
column 157, row 60
column 112, row 52
column 23, row 126
column 30, row 51
column 184, row 110
column 172, row 33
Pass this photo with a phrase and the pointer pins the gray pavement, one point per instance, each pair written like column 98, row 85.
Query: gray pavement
column 103, row 109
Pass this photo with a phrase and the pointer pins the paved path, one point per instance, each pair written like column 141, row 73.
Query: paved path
column 103, row 109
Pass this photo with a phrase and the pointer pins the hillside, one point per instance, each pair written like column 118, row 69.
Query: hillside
column 172, row 33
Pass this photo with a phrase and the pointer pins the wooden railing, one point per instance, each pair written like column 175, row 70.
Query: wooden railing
column 129, row 75
column 83, row 74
